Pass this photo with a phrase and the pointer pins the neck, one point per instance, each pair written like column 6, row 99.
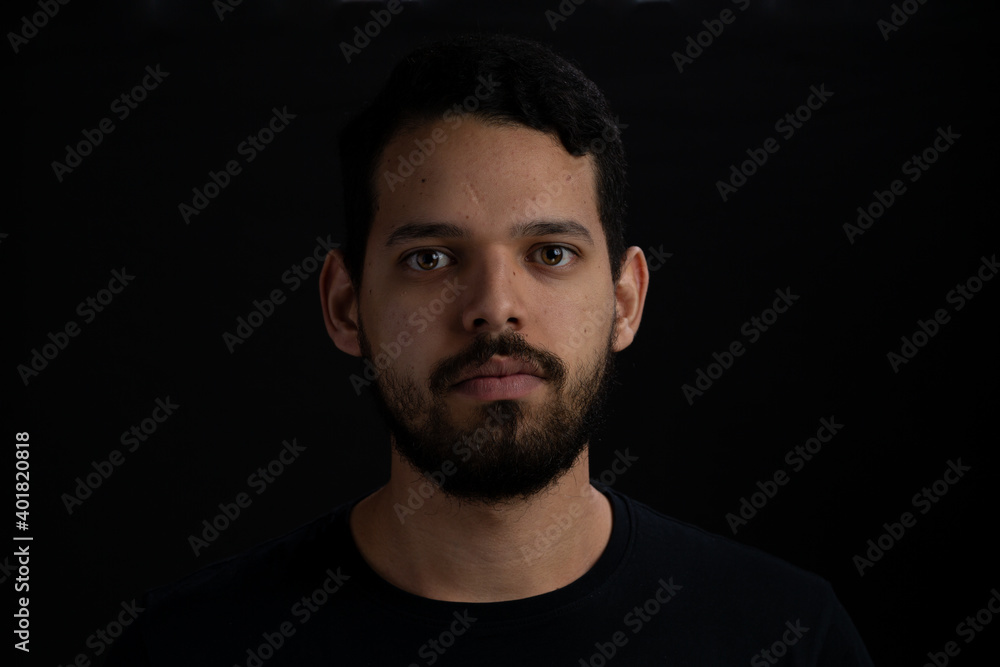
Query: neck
column 446, row 549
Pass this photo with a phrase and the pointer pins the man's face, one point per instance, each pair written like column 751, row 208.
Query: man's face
column 487, row 306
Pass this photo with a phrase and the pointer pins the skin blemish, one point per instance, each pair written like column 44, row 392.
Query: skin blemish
column 472, row 193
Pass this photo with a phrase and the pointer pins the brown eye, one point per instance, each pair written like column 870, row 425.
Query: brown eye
column 553, row 255
column 427, row 260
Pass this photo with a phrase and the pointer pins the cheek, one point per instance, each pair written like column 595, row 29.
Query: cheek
column 401, row 329
column 383, row 319
column 577, row 329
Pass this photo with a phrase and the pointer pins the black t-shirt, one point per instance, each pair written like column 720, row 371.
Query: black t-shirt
column 662, row 593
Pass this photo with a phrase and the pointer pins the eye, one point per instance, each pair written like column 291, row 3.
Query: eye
column 427, row 260
column 555, row 255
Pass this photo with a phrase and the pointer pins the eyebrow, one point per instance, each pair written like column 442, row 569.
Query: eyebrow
column 446, row 230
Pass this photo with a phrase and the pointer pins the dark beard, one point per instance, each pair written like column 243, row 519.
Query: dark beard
column 509, row 452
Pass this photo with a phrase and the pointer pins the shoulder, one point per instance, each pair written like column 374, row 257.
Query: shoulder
column 724, row 585
column 716, row 564
column 275, row 560
column 228, row 603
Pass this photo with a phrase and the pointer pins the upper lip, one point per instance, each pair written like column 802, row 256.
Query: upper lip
column 500, row 368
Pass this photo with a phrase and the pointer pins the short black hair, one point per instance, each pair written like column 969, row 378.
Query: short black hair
column 536, row 88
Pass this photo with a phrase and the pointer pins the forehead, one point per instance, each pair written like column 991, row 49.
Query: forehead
column 486, row 177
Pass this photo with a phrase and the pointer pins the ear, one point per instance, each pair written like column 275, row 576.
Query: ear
column 340, row 303
column 630, row 296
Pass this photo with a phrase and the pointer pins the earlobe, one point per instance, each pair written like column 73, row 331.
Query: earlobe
column 339, row 303
column 630, row 296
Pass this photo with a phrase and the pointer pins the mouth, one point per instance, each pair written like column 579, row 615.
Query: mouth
column 499, row 379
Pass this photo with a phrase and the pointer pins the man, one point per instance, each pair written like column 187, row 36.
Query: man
column 487, row 283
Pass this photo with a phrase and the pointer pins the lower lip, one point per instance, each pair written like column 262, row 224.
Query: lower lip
column 499, row 388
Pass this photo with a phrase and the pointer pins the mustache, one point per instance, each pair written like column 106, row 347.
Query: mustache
column 484, row 347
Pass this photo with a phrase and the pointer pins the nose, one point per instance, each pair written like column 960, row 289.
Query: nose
column 494, row 301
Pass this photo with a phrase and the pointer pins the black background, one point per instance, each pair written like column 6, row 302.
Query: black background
column 826, row 357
